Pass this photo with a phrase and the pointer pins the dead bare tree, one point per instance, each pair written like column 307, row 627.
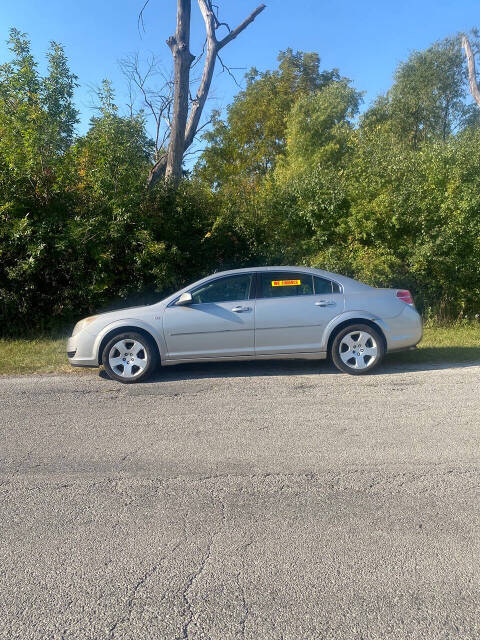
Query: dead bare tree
column 472, row 76
column 185, row 125
column 155, row 102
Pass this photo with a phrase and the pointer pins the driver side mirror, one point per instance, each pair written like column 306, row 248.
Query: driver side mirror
column 184, row 300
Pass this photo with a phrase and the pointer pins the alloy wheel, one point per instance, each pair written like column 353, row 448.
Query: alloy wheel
column 128, row 358
column 358, row 350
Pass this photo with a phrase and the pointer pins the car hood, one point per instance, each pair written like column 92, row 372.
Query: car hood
column 102, row 319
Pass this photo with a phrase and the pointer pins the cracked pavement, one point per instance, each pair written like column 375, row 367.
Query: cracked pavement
column 260, row 501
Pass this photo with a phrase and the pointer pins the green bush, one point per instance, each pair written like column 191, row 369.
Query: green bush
column 291, row 177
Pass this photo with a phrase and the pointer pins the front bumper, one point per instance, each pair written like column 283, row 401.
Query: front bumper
column 80, row 350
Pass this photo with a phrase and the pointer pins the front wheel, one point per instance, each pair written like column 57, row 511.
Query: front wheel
column 358, row 349
column 129, row 357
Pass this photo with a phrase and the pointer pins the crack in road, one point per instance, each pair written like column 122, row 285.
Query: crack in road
column 196, row 574
column 185, row 594
column 243, row 619
column 137, row 586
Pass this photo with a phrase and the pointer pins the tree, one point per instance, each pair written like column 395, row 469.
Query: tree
column 319, row 128
column 248, row 144
column 182, row 59
column 303, row 200
column 156, row 100
column 111, row 158
column 184, row 125
column 427, row 99
column 58, row 89
column 37, row 117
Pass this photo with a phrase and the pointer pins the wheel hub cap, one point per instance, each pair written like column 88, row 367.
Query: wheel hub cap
column 358, row 350
column 128, row 358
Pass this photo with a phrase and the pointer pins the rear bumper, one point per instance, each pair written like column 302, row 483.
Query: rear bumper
column 405, row 330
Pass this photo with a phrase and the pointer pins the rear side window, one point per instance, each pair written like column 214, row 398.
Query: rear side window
column 223, row 290
column 283, row 284
column 325, row 286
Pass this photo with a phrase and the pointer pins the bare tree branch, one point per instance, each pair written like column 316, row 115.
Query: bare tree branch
column 235, row 32
column 228, row 70
column 157, row 102
column 200, row 55
column 140, row 16
column 213, row 47
column 205, row 124
column 194, row 152
column 208, row 68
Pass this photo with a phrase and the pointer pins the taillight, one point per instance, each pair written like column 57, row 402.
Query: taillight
column 405, row 296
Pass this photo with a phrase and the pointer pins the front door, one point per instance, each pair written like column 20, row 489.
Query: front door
column 292, row 311
column 219, row 323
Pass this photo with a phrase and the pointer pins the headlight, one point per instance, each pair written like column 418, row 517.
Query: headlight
column 82, row 324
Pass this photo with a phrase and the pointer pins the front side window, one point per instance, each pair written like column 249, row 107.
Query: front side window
column 227, row 289
column 283, row 284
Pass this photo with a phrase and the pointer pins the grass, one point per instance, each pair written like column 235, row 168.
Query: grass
column 39, row 355
column 454, row 343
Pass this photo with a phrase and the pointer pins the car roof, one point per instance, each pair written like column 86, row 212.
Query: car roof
column 343, row 280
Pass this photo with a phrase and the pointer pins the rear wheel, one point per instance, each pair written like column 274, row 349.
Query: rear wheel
column 130, row 357
column 358, row 349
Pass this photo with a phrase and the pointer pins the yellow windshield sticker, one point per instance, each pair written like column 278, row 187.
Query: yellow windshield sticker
column 286, row 283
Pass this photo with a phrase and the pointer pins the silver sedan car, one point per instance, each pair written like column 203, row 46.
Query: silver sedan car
column 256, row 313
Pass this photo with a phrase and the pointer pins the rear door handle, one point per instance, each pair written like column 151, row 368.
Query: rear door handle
column 241, row 309
column 325, row 303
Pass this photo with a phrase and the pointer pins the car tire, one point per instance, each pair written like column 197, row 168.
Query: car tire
column 358, row 349
column 130, row 357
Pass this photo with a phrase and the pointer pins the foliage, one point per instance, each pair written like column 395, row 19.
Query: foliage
column 427, row 99
column 112, row 159
column 319, row 127
column 78, row 231
column 37, row 120
column 390, row 198
column 249, row 143
column 291, row 175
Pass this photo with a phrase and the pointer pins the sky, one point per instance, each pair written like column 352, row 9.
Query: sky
column 364, row 40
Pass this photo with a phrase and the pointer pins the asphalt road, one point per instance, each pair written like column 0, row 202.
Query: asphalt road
column 260, row 501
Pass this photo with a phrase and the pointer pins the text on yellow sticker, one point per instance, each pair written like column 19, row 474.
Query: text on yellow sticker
column 286, row 283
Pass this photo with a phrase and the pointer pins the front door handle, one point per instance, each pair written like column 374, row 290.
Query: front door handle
column 241, row 309
column 325, row 303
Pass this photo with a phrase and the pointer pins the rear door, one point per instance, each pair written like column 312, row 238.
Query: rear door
column 219, row 323
column 292, row 310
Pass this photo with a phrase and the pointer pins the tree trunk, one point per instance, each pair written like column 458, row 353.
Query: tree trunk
column 207, row 74
column 182, row 133
column 157, row 172
column 472, row 77
column 182, row 59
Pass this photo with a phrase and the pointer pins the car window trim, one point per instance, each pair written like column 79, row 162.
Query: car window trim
column 255, row 286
